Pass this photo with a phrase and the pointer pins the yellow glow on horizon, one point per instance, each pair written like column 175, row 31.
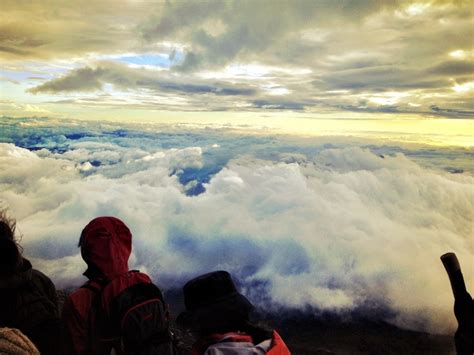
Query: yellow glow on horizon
column 375, row 127
column 441, row 132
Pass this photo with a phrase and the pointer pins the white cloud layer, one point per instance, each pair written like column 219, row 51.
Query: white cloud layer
column 341, row 230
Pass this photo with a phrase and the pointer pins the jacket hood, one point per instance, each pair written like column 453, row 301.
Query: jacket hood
column 106, row 245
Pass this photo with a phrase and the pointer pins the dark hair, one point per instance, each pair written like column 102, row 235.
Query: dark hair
column 10, row 251
column 7, row 226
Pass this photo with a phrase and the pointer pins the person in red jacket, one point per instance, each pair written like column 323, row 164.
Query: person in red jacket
column 106, row 245
column 220, row 317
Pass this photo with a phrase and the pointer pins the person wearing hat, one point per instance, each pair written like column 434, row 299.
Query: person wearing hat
column 220, row 317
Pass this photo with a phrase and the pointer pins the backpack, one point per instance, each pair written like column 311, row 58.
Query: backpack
column 129, row 316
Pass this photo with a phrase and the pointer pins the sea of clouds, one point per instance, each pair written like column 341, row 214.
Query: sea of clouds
column 300, row 223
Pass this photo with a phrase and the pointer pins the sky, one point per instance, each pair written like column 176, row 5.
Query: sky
column 318, row 146
column 399, row 66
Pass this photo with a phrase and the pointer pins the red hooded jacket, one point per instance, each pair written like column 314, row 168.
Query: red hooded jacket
column 106, row 245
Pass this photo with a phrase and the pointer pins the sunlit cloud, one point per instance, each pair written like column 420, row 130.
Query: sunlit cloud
column 389, row 98
column 276, row 90
column 459, row 54
column 465, row 87
column 417, row 8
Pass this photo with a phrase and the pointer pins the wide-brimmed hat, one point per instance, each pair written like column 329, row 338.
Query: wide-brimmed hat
column 213, row 302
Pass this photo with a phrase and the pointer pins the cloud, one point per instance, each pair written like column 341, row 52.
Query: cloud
column 453, row 68
column 384, row 89
column 382, row 78
column 84, row 79
column 124, row 77
column 58, row 30
column 363, row 48
column 278, row 105
column 219, row 33
column 349, row 228
column 450, row 112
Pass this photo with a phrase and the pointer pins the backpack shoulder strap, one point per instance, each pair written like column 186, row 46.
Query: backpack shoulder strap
column 96, row 312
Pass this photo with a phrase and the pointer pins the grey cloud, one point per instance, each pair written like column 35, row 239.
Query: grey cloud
column 379, row 109
column 379, row 78
column 278, row 105
column 89, row 79
column 249, row 26
column 206, row 89
column 178, row 15
column 386, row 77
column 17, row 40
column 56, row 29
column 452, row 112
column 84, row 79
column 453, row 68
column 303, row 95
column 16, row 51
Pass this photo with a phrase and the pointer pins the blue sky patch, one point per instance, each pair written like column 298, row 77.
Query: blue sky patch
column 157, row 60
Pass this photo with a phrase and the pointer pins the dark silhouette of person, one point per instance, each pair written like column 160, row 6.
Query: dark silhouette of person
column 463, row 306
column 28, row 300
column 219, row 316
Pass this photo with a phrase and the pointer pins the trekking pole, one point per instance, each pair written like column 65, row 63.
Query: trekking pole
column 463, row 305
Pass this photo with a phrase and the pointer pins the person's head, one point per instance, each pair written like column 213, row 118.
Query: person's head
column 10, row 254
column 213, row 305
column 106, row 245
